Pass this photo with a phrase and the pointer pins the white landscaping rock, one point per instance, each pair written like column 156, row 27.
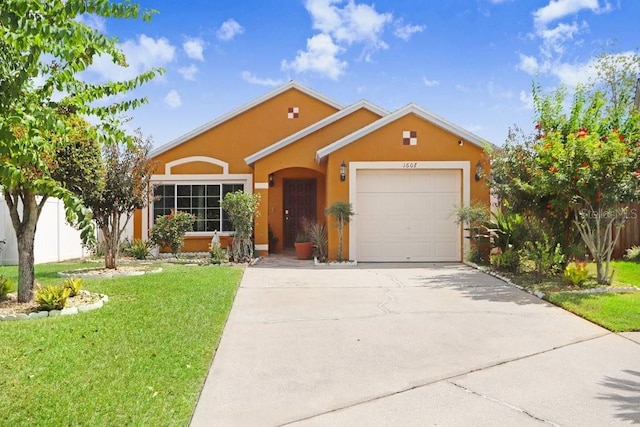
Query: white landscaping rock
column 68, row 311
column 38, row 314
column 54, row 313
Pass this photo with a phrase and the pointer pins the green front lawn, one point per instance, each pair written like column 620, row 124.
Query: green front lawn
column 139, row 360
column 616, row 312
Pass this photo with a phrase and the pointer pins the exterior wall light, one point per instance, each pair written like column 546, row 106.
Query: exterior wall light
column 479, row 171
column 460, row 143
column 343, row 171
column 271, row 180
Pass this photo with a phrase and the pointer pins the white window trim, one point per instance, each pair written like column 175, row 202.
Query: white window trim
column 194, row 179
column 212, row 160
column 464, row 166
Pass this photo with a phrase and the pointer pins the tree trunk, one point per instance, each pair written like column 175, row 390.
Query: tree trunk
column 111, row 235
column 25, row 229
column 340, row 230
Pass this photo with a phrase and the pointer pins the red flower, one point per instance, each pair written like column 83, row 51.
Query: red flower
column 585, row 164
column 547, row 146
column 604, row 138
column 553, row 169
column 621, row 137
column 538, row 125
column 583, row 132
column 549, row 206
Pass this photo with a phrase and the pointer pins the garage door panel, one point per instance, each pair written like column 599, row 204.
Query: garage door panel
column 407, row 215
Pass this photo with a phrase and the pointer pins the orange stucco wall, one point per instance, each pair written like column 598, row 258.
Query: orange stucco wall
column 297, row 161
column 385, row 144
column 267, row 123
column 250, row 131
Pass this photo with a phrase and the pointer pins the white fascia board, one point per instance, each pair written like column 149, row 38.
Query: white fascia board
column 313, row 128
column 210, row 125
column 408, row 109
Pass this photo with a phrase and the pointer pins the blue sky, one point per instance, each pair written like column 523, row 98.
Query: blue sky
column 470, row 61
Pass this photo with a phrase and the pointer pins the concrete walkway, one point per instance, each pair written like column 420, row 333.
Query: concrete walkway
column 415, row 345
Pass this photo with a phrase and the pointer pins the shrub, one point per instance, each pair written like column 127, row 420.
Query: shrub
column 6, row 287
column 74, row 284
column 475, row 256
column 242, row 209
column 633, row 254
column 139, row 249
column 169, row 230
column 576, row 273
column 52, row 297
column 218, row 254
column 508, row 260
column 547, row 259
column 318, row 236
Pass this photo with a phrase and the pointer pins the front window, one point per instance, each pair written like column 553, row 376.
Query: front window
column 200, row 200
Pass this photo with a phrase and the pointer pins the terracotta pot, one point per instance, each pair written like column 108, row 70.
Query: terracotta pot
column 304, row 250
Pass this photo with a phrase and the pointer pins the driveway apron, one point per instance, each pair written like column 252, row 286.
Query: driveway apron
column 430, row 344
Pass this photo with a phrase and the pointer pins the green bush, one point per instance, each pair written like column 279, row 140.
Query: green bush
column 74, row 284
column 547, row 259
column 633, row 254
column 508, row 260
column 218, row 254
column 7, row 286
column 575, row 274
column 475, row 256
column 169, row 230
column 52, row 297
column 139, row 249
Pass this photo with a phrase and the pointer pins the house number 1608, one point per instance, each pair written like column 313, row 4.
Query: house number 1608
column 410, row 165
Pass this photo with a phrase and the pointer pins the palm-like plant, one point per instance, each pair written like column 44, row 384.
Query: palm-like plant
column 342, row 212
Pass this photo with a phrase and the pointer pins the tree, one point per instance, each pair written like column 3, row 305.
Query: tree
column 342, row 212
column 44, row 42
column 127, row 170
column 580, row 167
column 242, row 208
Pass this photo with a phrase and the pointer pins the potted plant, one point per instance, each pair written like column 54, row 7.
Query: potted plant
column 303, row 244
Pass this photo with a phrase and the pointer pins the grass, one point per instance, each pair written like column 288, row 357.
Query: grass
column 139, row 360
column 616, row 312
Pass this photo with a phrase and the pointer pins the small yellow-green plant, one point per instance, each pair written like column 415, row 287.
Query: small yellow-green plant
column 139, row 249
column 218, row 254
column 74, row 284
column 52, row 297
column 6, row 287
column 576, row 273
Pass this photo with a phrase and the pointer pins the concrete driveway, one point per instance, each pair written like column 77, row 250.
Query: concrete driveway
column 412, row 345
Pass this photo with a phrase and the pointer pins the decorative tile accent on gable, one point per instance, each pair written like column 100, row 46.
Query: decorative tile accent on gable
column 293, row 113
column 409, row 137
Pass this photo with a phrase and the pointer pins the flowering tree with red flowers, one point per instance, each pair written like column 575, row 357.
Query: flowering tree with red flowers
column 577, row 171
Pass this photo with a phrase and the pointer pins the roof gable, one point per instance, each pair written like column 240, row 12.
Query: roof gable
column 313, row 128
column 408, row 109
column 230, row 115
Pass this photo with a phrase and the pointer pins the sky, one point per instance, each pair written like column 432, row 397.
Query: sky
column 472, row 62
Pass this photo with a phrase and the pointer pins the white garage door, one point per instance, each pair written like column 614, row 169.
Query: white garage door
column 405, row 215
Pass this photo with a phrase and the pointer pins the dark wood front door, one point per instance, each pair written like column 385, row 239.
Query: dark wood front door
column 299, row 202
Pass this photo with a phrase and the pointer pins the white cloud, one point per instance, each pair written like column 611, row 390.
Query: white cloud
column 255, row 80
column 173, row 99
column 96, row 22
column 498, row 92
column 320, row 57
column 528, row 64
column 558, row 9
column 554, row 39
column 462, row 88
column 526, row 100
column 194, row 49
column 229, row 29
column 405, row 32
column 430, row 83
column 353, row 23
column 188, row 73
column 142, row 55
